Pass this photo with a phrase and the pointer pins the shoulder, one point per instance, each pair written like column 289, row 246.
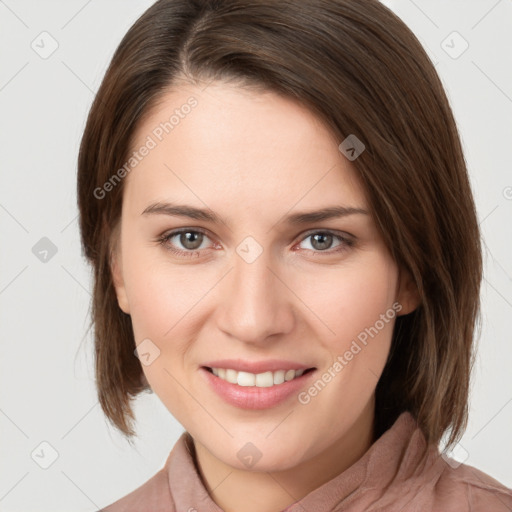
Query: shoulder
column 463, row 487
column 154, row 495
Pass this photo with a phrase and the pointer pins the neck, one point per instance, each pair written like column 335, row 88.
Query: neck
column 251, row 491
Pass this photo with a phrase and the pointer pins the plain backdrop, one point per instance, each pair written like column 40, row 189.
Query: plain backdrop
column 58, row 453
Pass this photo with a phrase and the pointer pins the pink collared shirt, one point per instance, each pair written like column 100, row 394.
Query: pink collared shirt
column 387, row 478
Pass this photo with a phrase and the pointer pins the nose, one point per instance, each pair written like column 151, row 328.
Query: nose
column 255, row 305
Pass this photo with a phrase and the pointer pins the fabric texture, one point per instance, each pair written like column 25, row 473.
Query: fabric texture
column 387, row 478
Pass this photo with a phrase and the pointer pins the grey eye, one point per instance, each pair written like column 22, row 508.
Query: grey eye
column 321, row 241
column 191, row 239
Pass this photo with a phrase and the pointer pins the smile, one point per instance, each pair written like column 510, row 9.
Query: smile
column 256, row 390
column 260, row 380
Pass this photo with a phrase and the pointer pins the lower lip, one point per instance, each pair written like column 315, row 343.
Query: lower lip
column 253, row 397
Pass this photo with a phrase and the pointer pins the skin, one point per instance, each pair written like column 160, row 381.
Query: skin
column 253, row 158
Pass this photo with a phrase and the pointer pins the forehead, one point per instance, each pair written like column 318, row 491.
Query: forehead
column 238, row 149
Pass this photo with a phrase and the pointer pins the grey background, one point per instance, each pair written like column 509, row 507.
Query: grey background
column 46, row 365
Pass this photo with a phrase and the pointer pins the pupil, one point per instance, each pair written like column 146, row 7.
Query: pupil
column 191, row 240
column 322, row 241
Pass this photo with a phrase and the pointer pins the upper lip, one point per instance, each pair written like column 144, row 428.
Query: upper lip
column 270, row 365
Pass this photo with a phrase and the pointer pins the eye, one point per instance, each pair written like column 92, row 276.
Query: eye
column 322, row 241
column 188, row 243
column 190, row 239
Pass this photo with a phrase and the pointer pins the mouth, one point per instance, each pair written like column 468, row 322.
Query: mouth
column 257, row 391
column 259, row 380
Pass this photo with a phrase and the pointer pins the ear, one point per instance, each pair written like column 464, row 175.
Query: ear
column 407, row 295
column 118, row 280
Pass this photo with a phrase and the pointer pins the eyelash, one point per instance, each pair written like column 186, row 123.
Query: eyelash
column 163, row 240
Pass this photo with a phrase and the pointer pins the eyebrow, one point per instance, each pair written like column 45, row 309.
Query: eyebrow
column 306, row 217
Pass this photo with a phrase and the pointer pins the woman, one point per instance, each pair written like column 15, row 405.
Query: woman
column 276, row 205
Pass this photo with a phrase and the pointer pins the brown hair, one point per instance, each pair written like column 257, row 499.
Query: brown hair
column 362, row 71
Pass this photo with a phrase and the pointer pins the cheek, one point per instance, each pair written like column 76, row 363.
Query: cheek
column 162, row 300
column 349, row 299
column 357, row 305
column 161, row 294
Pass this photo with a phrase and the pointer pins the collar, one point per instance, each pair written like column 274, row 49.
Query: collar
column 391, row 462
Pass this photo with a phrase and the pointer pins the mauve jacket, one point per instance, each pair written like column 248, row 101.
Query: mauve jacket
column 387, row 478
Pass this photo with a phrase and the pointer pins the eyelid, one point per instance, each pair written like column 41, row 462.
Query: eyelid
column 342, row 234
column 346, row 238
column 178, row 231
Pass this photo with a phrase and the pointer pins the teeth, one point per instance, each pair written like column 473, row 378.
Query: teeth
column 260, row 380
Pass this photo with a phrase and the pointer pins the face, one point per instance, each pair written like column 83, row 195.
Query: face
column 250, row 280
